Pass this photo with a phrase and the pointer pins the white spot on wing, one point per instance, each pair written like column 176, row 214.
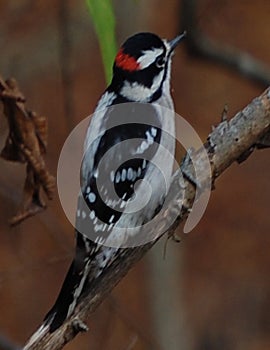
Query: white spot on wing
column 110, row 227
column 92, row 197
column 144, row 164
column 98, row 227
column 154, row 132
column 124, row 174
column 96, row 174
column 130, row 174
column 117, row 177
column 150, row 138
column 92, row 215
column 143, row 146
column 112, row 176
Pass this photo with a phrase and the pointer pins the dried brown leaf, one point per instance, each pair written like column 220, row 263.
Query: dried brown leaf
column 26, row 143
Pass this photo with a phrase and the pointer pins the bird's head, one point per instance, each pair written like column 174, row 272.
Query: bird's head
column 142, row 65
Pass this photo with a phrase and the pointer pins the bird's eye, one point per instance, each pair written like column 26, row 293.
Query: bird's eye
column 160, row 61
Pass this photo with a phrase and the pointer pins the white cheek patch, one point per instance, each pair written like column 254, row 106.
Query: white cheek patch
column 148, row 57
column 139, row 93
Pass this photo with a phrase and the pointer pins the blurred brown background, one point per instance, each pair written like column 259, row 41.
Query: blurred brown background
column 212, row 291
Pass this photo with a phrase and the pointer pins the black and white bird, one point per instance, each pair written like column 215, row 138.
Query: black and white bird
column 130, row 130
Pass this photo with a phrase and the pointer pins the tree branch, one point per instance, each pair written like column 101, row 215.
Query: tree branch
column 226, row 144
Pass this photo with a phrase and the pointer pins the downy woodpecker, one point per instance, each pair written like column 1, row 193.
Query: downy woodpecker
column 141, row 75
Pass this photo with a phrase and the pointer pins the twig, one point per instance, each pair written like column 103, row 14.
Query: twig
column 200, row 45
column 226, row 143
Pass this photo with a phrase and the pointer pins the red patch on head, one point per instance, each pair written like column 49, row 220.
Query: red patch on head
column 126, row 61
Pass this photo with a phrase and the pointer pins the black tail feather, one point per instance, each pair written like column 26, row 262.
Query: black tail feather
column 58, row 313
column 66, row 300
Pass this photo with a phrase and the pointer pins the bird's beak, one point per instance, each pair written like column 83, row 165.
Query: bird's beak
column 174, row 42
